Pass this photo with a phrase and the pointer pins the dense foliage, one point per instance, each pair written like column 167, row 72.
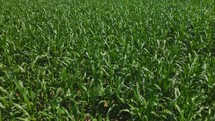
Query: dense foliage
column 107, row 60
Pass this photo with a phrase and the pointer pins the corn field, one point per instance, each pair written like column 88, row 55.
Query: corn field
column 114, row 60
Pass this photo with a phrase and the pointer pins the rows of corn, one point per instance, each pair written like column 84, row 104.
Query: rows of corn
column 107, row 60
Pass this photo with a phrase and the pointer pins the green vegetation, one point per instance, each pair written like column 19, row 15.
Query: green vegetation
column 147, row 60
